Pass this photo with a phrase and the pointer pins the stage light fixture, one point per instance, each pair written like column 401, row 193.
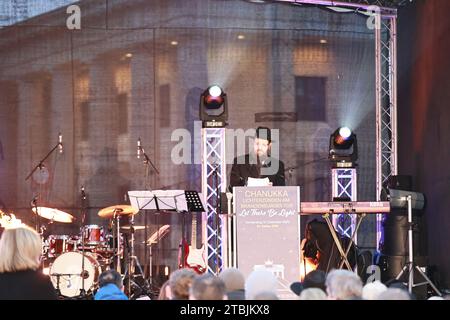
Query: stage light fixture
column 213, row 107
column 343, row 149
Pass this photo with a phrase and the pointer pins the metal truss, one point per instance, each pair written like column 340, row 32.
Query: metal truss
column 387, row 7
column 386, row 100
column 213, row 183
column 386, row 105
column 344, row 185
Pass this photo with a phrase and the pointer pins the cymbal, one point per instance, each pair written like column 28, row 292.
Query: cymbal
column 54, row 214
column 120, row 210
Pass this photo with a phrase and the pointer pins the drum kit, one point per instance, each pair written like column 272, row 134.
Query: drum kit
column 75, row 261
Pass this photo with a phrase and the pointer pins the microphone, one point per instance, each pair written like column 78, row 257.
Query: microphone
column 139, row 148
column 60, row 145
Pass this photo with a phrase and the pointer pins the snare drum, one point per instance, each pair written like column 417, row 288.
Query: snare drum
column 66, row 273
column 58, row 244
column 93, row 235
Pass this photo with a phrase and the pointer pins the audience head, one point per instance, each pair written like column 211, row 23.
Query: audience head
column 343, row 285
column 233, row 279
column 180, row 282
column 436, row 298
column 371, row 290
column 164, row 292
column 260, row 281
column 207, row 287
column 20, row 248
column 110, row 277
column 314, row 279
column 266, row 295
column 313, row 294
column 394, row 283
column 394, row 294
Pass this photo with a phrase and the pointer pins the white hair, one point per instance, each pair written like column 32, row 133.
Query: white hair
column 343, row 285
column 435, row 298
column 233, row 279
column 371, row 290
column 260, row 281
column 312, row 294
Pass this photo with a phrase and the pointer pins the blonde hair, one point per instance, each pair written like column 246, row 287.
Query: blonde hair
column 164, row 292
column 20, row 249
column 180, row 282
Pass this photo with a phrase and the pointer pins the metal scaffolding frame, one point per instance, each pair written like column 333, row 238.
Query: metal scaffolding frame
column 386, row 104
column 344, row 184
column 214, row 181
column 213, row 146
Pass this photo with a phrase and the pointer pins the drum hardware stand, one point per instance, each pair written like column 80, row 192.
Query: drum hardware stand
column 59, row 275
column 133, row 262
column 58, row 290
column 83, row 218
column 116, row 244
column 39, row 228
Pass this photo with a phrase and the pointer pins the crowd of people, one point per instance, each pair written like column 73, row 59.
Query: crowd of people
column 21, row 279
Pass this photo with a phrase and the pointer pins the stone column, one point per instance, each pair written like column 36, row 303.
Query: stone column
column 65, row 191
column 143, row 123
column 8, row 144
column 33, row 144
column 98, row 159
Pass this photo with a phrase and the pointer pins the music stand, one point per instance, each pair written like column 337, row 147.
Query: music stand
column 180, row 201
column 411, row 200
column 156, row 201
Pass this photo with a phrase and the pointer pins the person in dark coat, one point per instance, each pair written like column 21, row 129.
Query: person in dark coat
column 20, row 276
column 259, row 163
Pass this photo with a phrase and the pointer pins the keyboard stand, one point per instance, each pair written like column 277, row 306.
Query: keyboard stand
column 344, row 255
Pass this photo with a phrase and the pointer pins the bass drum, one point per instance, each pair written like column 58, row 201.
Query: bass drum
column 66, row 273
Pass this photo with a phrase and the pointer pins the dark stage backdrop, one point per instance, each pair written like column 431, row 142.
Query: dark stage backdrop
column 137, row 69
column 424, row 118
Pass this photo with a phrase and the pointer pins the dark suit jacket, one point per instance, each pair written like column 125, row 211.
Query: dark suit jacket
column 245, row 167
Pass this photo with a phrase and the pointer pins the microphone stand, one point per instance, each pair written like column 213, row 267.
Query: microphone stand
column 83, row 218
column 39, row 166
column 147, row 163
column 41, row 163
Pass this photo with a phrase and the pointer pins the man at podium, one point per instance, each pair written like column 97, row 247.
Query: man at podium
column 258, row 163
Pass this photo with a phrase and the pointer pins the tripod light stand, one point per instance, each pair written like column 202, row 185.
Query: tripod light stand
column 411, row 200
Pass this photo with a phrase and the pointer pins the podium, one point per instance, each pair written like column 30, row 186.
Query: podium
column 266, row 235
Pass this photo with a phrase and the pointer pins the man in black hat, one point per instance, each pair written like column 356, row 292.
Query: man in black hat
column 259, row 163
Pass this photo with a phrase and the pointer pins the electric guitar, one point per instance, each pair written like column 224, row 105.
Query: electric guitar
column 189, row 256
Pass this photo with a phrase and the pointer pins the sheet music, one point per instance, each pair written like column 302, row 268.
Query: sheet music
column 258, row 182
column 167, row 200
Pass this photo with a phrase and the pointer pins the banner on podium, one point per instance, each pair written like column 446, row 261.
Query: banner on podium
column 268, row 233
